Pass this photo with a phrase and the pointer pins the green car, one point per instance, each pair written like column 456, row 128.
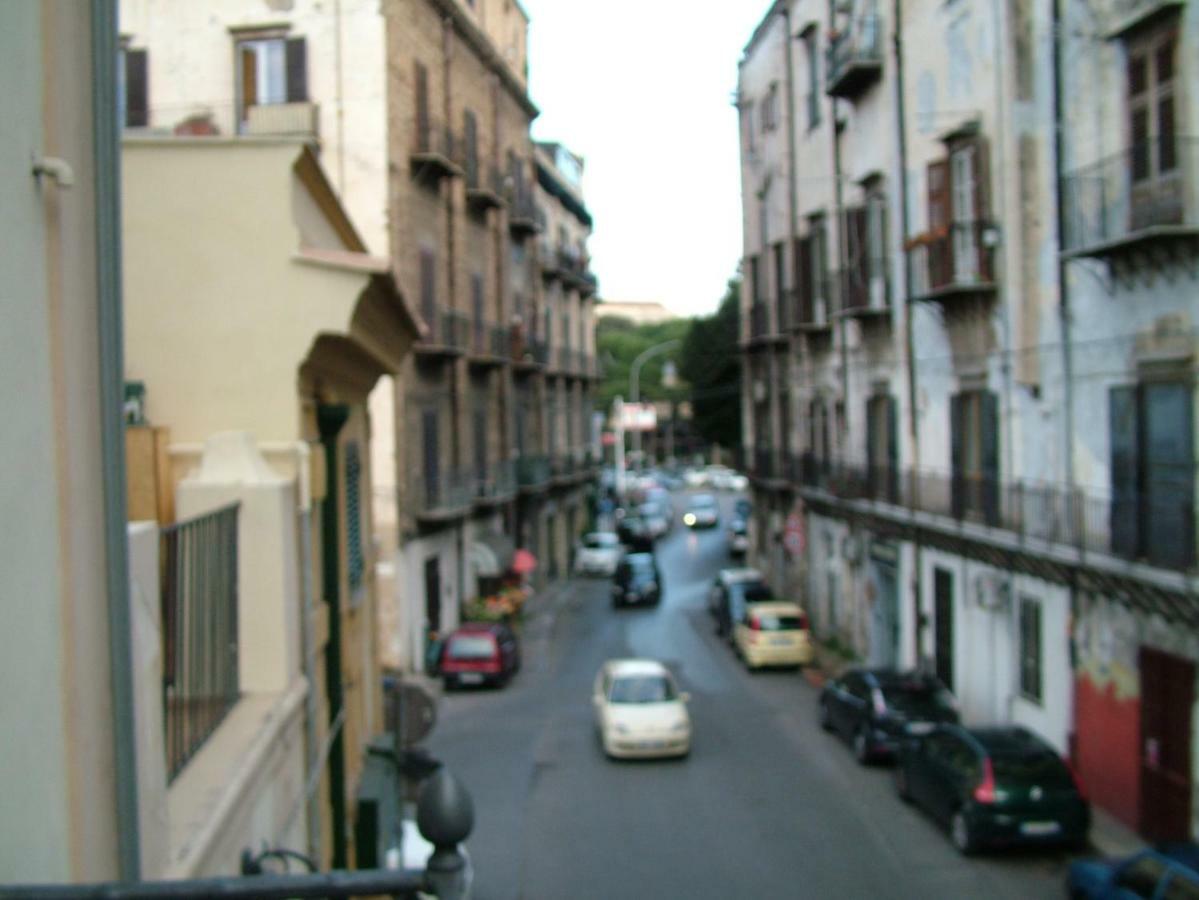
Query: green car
column 993, row 786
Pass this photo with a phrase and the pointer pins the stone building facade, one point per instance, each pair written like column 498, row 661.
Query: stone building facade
column 970, row 353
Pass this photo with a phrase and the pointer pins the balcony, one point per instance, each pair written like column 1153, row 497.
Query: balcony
column 532, row 473
column 529, row 355
column 954, row 263
column 447, row 337
column 490, row 345
column 495, row 484
column 765, row 468
column 484, row 186
column 863, row 298
column 813, row 307
column 524, row 218
column 435, row 152
column 855, row 57
column 1125, row 15
column 1048, row 519
column 436, row 495
column 283, row 119
column 1136, row 208
column 588, row 284
column 562, row 468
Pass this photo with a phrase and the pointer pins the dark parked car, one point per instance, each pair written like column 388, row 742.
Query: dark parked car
column 742, row 508
column 732, row 590
column 876, row 709
column 637, row 581
column 738, row 538
column 993, row 786
column 1170, row 871
column 636, row 533
column 479, row 653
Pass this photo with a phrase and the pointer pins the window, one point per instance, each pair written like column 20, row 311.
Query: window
column 1030, row 649
column 974, row 453
column 1153, row 472
column 420, row 100
column 1150, row 79
column 470, row 141
column 269, row 71
column 747, row 125
column 355, row 560
column 133, row 89
column 779, row 289
column 480, row 428
column 818, row 270
column 957, row 214
column 876, row 237
column 770, row 109
column 812, row 46
column 428, row 290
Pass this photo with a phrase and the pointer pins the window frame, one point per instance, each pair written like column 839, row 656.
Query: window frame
column 1032, row 659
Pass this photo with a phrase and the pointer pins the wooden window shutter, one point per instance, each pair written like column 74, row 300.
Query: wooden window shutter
column 956, row 462
column 803, row 275
column 297, row 70
column 892, row 448
column 421, row 100
column 470, row 138
column 432, row 465
column 428, row 293
column 249, row 78
column 1124, row 441
column 137, row 103
column 938, row 196
column 989, row 425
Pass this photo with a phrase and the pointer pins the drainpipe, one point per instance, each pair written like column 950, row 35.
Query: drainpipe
column 1063, row 310
column 107, row 161
column 792, row 185
column 909, row 337
column 842, row 244
column 330, row 420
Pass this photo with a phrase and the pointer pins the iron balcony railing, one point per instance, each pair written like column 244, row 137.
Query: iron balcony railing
column 199, row 625
column 759, row 320
column 1150, row 185
column 562, row 465
column 957, row 257
column 434, row 144
column 532, row 471
column 448, row 330
column 855, row 56
column 1158, row 528
column 489, row 340
column 439, row 491
column 496, row 481
column 274, row 119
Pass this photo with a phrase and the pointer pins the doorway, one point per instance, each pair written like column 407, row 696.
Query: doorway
column 1167, row 699
column 943, row 625
column 884, row 644
column 433, row 595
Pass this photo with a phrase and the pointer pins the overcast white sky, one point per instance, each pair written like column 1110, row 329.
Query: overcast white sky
column 642, row 89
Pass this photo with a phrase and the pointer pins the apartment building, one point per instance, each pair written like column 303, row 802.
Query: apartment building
column 970, row 361
column 420, row 114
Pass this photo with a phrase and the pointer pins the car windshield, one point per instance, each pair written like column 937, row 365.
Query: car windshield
column 1041, row 768
column 642, row 689
column 599, row 541
column 917, row 699
column 753, row 592
column 471, row 646
column 703, row 501
column 775, row 622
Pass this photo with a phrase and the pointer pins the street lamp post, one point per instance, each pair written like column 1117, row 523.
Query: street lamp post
column 635, row 384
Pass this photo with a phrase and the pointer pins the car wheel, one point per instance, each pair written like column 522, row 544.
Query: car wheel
column 826, row 719
column 901, row 783
column 959, row 833
column 861, row 746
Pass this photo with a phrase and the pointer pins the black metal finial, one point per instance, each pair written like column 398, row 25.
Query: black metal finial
column 445, row 813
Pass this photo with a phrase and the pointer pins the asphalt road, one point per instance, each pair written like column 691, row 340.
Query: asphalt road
column 767, row 805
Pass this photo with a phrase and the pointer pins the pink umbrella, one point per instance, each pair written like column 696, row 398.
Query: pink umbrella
column 523, row 562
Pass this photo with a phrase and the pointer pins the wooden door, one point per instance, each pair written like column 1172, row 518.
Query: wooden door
column 1167, row 698
column 943, row 625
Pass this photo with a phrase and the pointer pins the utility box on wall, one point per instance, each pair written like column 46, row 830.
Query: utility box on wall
column 150, row 496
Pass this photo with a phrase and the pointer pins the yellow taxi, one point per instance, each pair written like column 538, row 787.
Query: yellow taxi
column 774, row 633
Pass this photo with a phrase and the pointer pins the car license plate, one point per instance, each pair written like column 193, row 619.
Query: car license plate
column 780, row 642
column 920, row 728
column 470, row 678
column 652, row 745
column 1039, row 829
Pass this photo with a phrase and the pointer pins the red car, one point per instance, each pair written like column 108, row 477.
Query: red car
column 479, row 653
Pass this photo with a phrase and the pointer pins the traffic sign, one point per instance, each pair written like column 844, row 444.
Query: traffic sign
column 794, row 535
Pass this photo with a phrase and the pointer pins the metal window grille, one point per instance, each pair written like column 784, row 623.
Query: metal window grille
column 199, row 626
column 355, row 560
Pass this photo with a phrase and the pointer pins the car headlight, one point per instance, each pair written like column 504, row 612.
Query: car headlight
column 680, row 727
column 689, row 519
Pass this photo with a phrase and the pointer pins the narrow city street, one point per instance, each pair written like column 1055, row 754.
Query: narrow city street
column 767, row 805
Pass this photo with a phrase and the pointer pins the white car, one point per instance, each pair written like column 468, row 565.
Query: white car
column 598, row 554
column 695, row 478
column 720, row 477
column 738, row 482
column 640, row 711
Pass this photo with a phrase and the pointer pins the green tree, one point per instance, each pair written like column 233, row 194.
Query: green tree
column 711, row 363
column 619, row 341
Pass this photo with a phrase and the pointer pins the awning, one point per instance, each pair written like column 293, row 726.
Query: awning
column 491, row 554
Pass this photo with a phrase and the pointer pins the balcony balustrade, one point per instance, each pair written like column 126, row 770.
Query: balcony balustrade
column 953, row 262
column 1140, row 199
column 855, row 57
